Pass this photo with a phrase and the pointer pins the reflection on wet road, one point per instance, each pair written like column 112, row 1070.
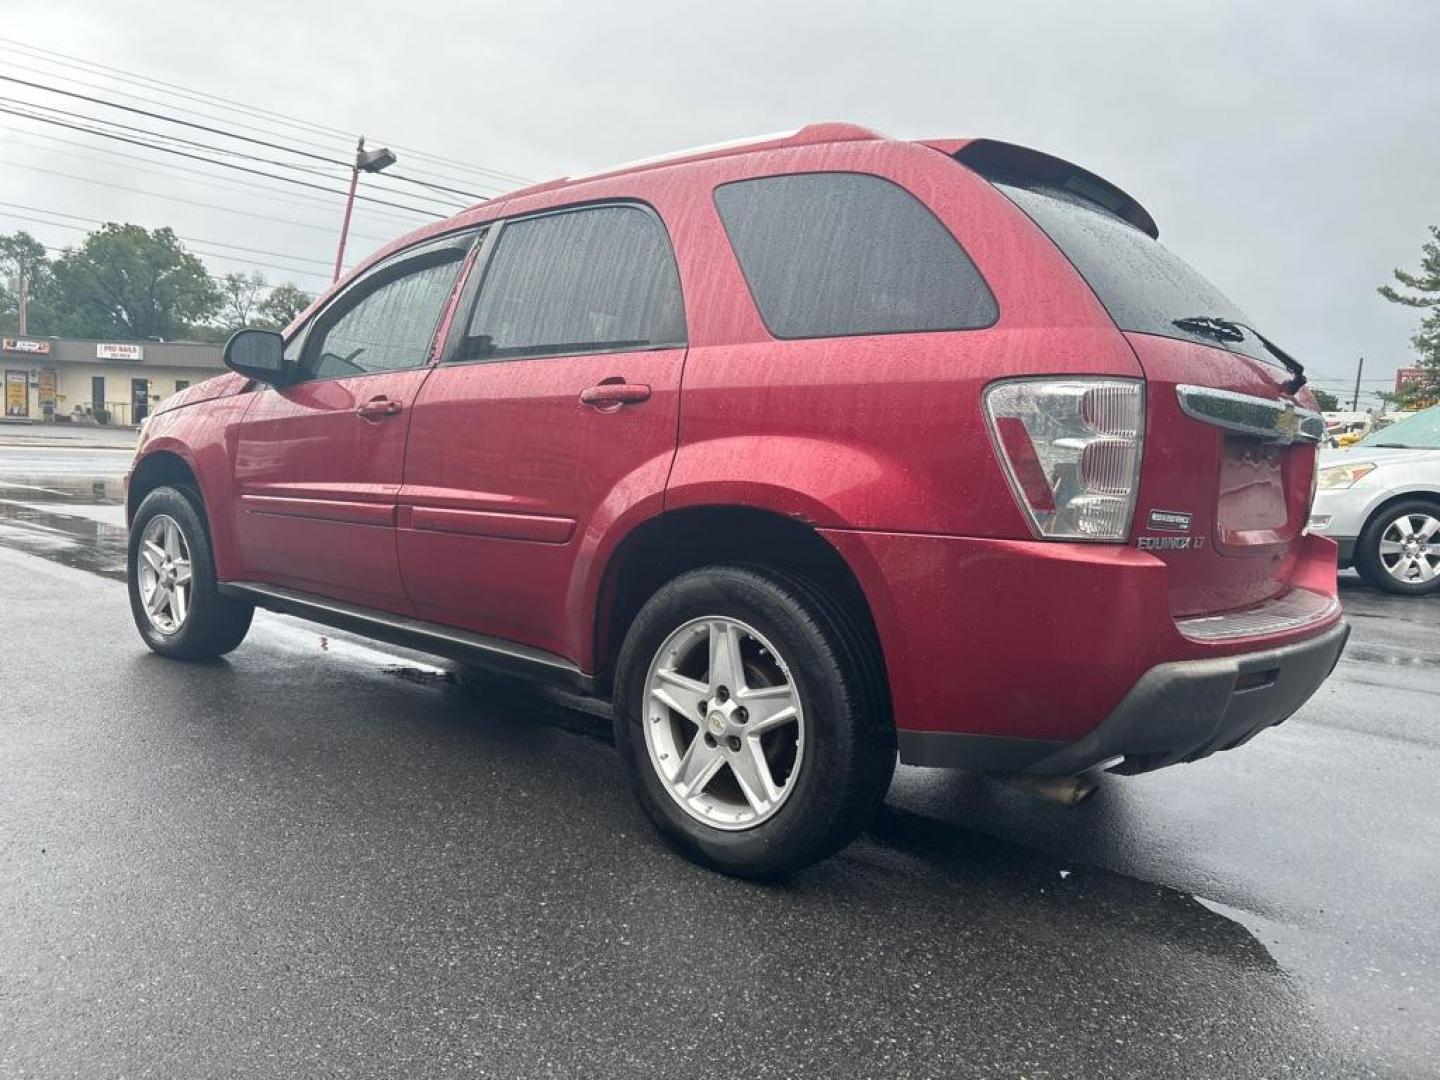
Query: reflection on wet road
column 322, row 851
column 78, row 521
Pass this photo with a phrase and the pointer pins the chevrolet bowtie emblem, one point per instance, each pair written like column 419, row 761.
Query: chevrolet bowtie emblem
column 1288, row 422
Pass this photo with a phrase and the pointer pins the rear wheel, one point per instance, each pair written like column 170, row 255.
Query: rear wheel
column 176, row 605
column 1399, row 550
column 744, row 721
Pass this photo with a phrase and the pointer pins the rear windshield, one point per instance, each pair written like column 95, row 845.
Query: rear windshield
column 1143, row 285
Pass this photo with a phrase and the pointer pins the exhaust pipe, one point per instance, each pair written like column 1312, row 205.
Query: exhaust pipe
column 1062, row 790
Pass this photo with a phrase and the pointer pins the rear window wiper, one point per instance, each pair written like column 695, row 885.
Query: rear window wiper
column 1230, row 330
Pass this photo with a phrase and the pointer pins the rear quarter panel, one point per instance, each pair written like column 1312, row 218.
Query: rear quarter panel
column 880, row 431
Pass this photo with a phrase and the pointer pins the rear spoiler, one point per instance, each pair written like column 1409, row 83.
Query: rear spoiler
column 1006, row 163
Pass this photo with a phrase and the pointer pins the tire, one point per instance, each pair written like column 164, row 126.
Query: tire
column 1387, row 527
column 207, row 624
column 829, row 768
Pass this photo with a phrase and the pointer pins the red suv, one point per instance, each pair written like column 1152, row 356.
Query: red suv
column 807, row 450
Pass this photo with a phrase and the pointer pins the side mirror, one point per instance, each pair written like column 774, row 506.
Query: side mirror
column 257, row 354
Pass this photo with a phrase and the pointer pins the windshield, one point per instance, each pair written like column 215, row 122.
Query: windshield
column 1143, row 284
column 1420, row 432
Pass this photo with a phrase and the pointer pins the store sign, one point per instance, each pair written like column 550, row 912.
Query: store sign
column 1406, row 375
column 47, row 388
column 17, row 393
column 25, row 345
column 108, row 351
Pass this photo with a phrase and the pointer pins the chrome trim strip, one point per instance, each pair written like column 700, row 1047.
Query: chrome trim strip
column 418, row 634
column 1295, row 610
column 1275, row 421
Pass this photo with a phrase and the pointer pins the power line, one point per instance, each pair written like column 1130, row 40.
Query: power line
column 72, row 80
column 293, row 270
column 59, row 59
column 445, row 203
column 169, row 119
column 197, row 157
column 228, row 258
column 104, row 132
column 209, row 129
column 208, row 179
column 9, row 207
column 194, row 202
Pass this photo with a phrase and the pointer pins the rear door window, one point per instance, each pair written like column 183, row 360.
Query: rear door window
column 597, row 279
column 838, row 254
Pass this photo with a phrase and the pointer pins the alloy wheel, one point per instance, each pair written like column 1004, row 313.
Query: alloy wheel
column 1410, row 548
column 723, row 723
column 163, row 569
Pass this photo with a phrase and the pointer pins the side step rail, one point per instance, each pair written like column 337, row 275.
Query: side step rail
column 495, row 654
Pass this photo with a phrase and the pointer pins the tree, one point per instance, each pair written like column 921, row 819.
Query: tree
column 285, row 302
column 127, row 281
column 1328, row 401
column 1423, row 293
column 16, row 249
column 239, row 299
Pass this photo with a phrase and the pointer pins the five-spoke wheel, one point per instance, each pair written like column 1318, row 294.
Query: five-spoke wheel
column 746, row 715
column 164, row 573
column 174, row 595
column 725, row 726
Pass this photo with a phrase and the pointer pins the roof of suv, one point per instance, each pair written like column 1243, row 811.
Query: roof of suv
column 984, row 156
column 989, row 158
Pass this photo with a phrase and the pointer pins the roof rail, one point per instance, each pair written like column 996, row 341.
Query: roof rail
column 803, row 136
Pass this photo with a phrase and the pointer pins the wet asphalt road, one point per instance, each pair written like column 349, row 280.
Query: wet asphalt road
column 323, row 858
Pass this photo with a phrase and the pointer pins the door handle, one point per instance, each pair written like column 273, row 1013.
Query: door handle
column 378, row 407
column 609, row 396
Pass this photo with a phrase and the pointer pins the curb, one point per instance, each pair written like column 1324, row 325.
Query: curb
column 57, row 444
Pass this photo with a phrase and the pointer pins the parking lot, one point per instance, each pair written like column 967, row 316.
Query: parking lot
column 324, row 857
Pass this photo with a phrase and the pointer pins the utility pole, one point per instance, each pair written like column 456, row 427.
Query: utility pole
column 24, row 305
column 371, row 161
column 1355, row 401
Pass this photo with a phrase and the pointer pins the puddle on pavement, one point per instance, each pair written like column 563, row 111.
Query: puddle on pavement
column 1368, row 655
column 74, row 490
column 74, row 521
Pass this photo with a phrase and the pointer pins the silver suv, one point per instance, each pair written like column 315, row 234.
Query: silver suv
column 1380, row 501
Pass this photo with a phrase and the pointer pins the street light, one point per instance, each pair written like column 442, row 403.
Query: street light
column 371, row 161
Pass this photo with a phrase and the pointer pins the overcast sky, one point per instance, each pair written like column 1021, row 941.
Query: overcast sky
column 1290, row 150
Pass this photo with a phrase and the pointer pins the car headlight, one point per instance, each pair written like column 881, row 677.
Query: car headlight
column 142, row 433
column 1338, row 477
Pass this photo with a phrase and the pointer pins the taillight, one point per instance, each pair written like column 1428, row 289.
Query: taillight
column 1071, row 449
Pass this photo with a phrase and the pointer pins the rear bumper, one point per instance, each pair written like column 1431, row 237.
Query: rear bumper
column 1008, row 643
column 1178, row 711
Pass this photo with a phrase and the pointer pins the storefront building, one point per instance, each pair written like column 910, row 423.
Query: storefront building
column 112, row 382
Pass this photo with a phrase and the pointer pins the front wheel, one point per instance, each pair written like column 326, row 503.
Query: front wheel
column 744, row 717
column 1399, row 550
column 177, row 607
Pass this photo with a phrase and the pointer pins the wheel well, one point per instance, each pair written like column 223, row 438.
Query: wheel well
column 1431, row 497
column 158, row 470
column 671, row 544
